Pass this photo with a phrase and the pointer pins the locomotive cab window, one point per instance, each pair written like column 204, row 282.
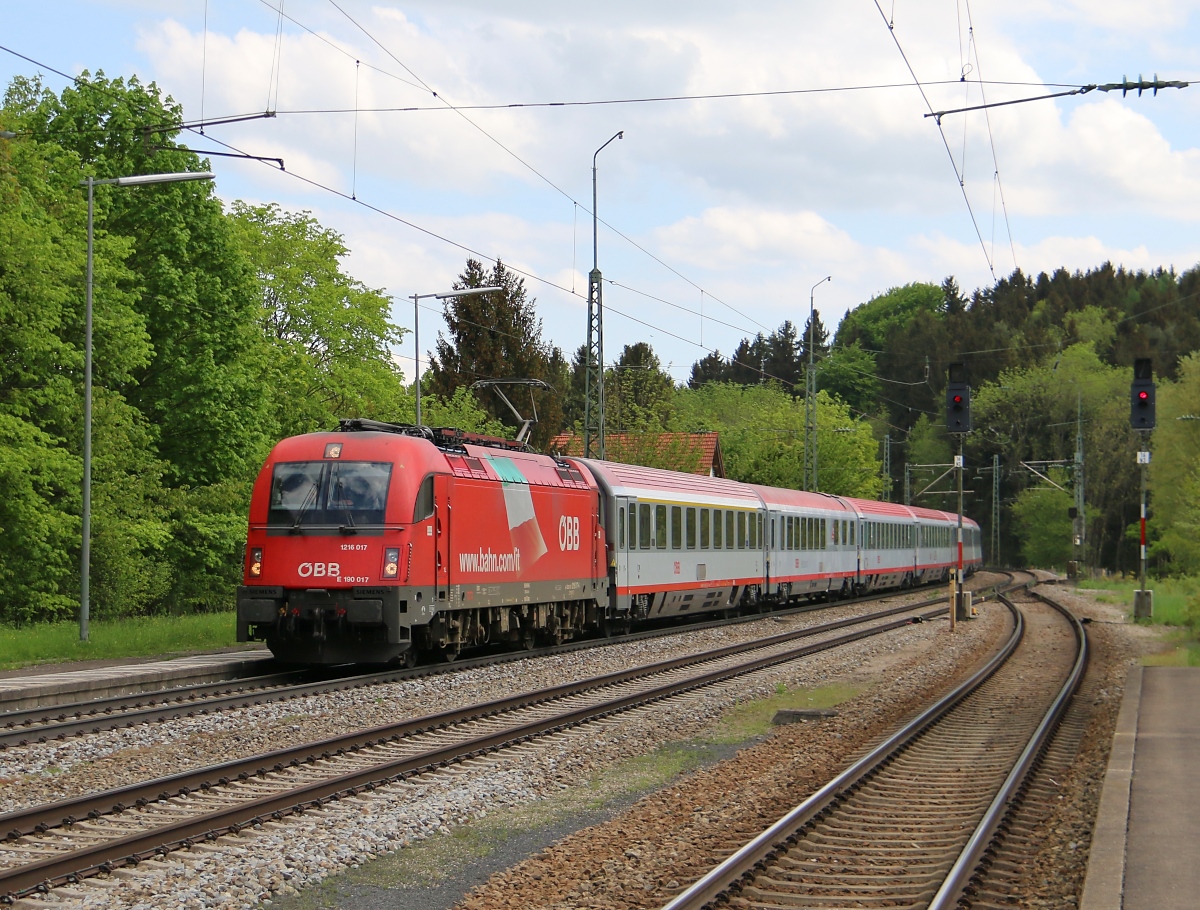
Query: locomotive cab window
column 339, row 495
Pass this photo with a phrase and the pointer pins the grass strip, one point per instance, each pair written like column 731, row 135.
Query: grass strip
column 142, row 636
column 1176, row 603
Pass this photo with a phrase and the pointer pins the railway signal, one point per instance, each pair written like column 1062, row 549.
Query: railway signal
column 958, row 421
column 958, row 400
column 1141, row 418
column 1141, row 395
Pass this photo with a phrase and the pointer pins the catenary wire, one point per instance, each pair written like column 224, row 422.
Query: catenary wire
column 662, row 99
column 941, row 132
column 533, row 169
column 750, row 367
column 991, row 138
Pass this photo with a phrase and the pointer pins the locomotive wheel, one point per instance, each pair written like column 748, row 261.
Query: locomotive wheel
column 407, row 660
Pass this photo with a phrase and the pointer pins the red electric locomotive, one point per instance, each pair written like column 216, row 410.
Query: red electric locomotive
column 379, row 542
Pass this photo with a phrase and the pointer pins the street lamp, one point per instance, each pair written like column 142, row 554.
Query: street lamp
column 595, row 331
column 810, row 398
column 86, row 555
column 470, row 292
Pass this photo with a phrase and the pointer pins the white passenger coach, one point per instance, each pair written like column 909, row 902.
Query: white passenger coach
column 681, row 543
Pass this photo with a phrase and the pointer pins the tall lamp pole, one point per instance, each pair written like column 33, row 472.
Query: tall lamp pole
column 810, row 399
column 593, row 376
column 85, row 558
column 469, row 292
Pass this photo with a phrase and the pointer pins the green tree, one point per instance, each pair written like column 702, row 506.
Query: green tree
column 872, row 323
column 42, row 221
column 201, row 390
column 330, row 341
column 848, row 372
column 638, row 392
column 1043, row 523
column 498, row 336
column 762, row 437
column 710, row 368
column 1175, row 471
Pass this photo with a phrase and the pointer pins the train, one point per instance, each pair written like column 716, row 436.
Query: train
column 381, row 543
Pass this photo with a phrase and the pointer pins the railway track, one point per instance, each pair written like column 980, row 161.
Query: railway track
column 909, row 824
column 42, row 725
column 51, row 845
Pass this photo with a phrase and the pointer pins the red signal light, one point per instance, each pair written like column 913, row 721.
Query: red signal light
column 958, row 399
column 1143, row 395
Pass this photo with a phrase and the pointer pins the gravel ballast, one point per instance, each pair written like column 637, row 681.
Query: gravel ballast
column 901, row 669
column 41, row 773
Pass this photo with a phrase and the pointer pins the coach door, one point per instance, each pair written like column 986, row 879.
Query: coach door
column 441, row 537
column 626, row 539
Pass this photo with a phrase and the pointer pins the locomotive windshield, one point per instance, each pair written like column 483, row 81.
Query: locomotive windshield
column 345, row 495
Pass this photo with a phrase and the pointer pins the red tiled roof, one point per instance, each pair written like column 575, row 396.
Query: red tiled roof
column 691, row 453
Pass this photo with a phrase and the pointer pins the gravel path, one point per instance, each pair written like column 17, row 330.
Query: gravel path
column 273, row 861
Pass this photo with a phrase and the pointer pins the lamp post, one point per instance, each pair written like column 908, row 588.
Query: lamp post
column 469, row 292
column 86, row 555
column 595, row 332
column 810, row 400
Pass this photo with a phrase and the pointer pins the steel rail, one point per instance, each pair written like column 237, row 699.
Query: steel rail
column 36, row 725
column 65, row 812
column 783, row 832
column 44, row 874
column 959, row 878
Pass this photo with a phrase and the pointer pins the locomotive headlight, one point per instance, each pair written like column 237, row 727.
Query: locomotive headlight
column 391, row 562
column 256, row 562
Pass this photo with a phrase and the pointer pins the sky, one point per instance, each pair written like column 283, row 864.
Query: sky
column 719, row 214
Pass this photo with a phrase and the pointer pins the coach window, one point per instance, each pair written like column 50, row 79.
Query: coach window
column 621, row 528
column 676, row 527
column 741, row 530
column 716, row 529
column 753, row 530
column 824, row 533
column 730, row 542
column 705, row 529
column 644, row 526
column 690, row 529
column 660, row 527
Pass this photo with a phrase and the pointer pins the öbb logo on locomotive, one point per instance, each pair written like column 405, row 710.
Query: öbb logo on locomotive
column 382, row 542
column 568, row 532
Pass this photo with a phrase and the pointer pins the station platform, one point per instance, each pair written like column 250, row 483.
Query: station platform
column 1147, row 835
column 32, row 690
